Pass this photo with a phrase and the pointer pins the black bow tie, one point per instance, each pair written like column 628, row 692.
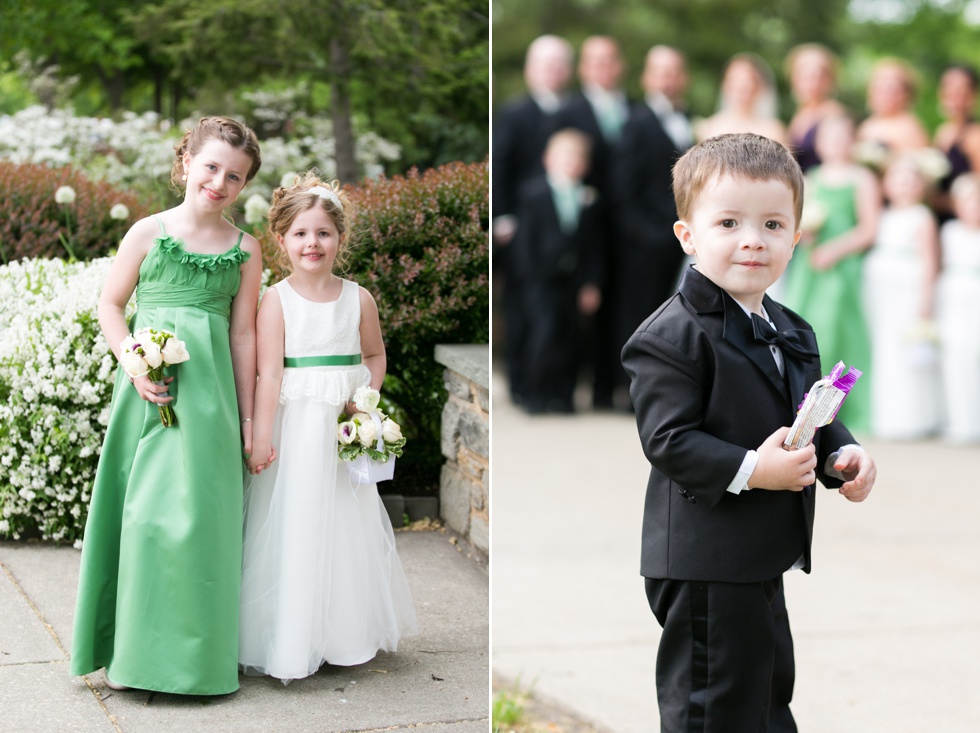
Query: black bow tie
column 794, row 342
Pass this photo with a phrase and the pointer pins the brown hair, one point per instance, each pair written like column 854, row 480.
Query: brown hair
column 288, row 203
column 743, row 155
column 830, row 60
column 225, row 129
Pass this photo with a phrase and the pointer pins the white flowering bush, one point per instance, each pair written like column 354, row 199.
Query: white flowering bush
column 137, row 151
column 56, row 375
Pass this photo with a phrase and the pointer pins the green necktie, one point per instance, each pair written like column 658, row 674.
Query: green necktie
column 610, row 121
column 567, row 204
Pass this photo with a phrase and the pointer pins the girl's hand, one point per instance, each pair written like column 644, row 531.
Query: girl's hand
column 151, row 392
column 261, row 460
column 351, row 409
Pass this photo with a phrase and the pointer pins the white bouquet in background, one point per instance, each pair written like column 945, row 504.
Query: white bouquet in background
column 368, row 441
column 147, row 352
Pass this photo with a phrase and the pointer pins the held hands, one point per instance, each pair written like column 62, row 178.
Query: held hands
column 779, row 469
column 261, row 459
column 859, row 472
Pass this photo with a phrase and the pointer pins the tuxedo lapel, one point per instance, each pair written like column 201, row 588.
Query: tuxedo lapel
column 706, row 297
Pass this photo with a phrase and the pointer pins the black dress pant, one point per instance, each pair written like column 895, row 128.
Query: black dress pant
column 550, row 355
column 725, row 662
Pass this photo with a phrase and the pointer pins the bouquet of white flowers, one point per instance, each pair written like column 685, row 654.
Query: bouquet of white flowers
column 368, row 441
column 148, row 351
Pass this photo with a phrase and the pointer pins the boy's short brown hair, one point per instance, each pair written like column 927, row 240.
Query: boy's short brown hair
column 743, row 155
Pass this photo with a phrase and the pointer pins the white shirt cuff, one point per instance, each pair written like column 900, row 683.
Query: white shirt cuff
column 741, row 481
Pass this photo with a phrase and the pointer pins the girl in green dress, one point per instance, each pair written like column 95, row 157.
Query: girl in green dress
column 161, row 561
column 823, row 282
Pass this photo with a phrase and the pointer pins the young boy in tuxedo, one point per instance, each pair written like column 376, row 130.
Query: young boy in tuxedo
column 716, row 376
column 557, row 264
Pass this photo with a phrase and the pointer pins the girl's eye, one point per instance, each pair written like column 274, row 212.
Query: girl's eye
column 233, row 177
column 728, row 223
column 212, row 167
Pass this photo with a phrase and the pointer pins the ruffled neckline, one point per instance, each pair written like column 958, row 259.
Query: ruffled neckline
column 174, row 249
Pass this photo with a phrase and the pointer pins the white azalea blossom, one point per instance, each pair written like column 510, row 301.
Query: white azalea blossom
column 119, row 211
column 136, row 152
column 57, row 372
column 256, row 209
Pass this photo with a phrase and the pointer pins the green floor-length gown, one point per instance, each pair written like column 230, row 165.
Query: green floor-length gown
column 161, row 560
column 831, row 300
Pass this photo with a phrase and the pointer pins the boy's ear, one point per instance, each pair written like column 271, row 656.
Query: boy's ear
column 684, row 236
column 796, row 239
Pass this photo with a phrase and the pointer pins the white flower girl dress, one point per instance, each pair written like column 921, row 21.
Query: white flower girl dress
column 321, row 580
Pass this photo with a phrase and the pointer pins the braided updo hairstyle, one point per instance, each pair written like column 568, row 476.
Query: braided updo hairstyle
column 288, row 203
column 225, row 129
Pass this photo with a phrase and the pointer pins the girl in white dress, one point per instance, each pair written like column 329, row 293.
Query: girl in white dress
column 899, row 285
column 321, row 580
column 958, row 312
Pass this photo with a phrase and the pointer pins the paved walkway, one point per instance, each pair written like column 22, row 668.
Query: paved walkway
column 437, row 681
column 887, row 627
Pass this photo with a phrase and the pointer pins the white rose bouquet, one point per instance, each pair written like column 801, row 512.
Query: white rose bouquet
column 148, row 351
column 369, row 438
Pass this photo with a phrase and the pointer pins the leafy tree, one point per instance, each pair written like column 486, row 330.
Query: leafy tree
column 89, row 38
column 414, row 71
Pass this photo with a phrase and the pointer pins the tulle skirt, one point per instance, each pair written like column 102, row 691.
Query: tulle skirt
column 321, row 579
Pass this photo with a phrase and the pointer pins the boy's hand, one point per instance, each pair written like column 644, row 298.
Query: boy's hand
column 779, row 469
column 859, row 473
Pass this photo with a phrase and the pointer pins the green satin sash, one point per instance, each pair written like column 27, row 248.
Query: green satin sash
column 318, row 361
column 171, row 295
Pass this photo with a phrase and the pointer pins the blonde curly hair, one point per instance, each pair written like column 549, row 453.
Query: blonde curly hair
column 288, row 203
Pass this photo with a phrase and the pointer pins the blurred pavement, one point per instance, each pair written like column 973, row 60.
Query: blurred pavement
column 886, row 628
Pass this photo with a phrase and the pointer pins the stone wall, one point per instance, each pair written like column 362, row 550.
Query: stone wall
column 465, row 480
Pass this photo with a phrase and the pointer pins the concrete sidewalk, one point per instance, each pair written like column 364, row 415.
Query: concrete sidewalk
column 438, row 680
column 886, row 628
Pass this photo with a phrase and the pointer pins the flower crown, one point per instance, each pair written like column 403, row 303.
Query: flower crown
column 328, row 194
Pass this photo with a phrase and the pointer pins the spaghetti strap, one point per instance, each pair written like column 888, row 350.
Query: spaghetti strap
column 164, row 231
column 241, row 233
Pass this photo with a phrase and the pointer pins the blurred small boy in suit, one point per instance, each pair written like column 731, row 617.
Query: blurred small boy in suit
column 557, row 263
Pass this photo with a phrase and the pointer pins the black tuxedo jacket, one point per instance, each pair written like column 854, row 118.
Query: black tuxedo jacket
column 519, row 137
column 542, row 252
column 641, row 166
column 704, row 393
column 648, row 258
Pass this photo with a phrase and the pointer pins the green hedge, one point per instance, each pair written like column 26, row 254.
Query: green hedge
column 32, row 223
